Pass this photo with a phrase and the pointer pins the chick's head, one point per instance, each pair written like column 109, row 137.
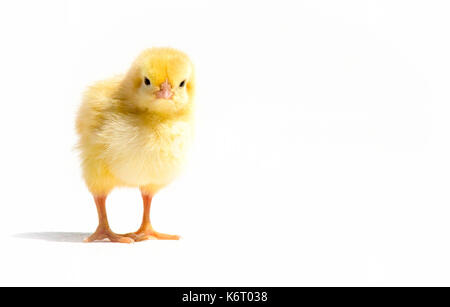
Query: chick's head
column 161, row 81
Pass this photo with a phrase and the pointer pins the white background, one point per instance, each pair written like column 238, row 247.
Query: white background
column 321, row 157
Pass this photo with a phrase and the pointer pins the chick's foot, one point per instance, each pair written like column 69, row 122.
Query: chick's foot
column 142, row 235
column 101, row 234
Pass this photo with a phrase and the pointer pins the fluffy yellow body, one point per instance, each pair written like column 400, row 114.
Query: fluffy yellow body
column 128, row 137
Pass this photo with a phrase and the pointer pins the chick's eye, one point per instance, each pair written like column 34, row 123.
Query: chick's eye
column 182, row 83
column 147, row 81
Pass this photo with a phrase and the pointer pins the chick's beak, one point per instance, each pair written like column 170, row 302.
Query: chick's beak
column 165, row 91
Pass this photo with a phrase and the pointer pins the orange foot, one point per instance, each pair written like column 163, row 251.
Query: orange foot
column 142, row 235
column 101, row 234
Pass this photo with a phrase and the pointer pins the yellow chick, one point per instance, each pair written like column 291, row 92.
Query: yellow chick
column 134, row 130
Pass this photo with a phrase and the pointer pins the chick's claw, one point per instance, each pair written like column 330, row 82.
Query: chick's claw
column 165, row 236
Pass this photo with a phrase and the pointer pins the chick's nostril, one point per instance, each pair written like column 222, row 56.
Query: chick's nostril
column 165, row 85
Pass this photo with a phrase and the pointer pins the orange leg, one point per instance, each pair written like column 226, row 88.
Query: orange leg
column 103, row 231
column 146, row 231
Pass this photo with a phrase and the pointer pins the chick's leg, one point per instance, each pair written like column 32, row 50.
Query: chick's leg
column 146, row 231
column 103, row 231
